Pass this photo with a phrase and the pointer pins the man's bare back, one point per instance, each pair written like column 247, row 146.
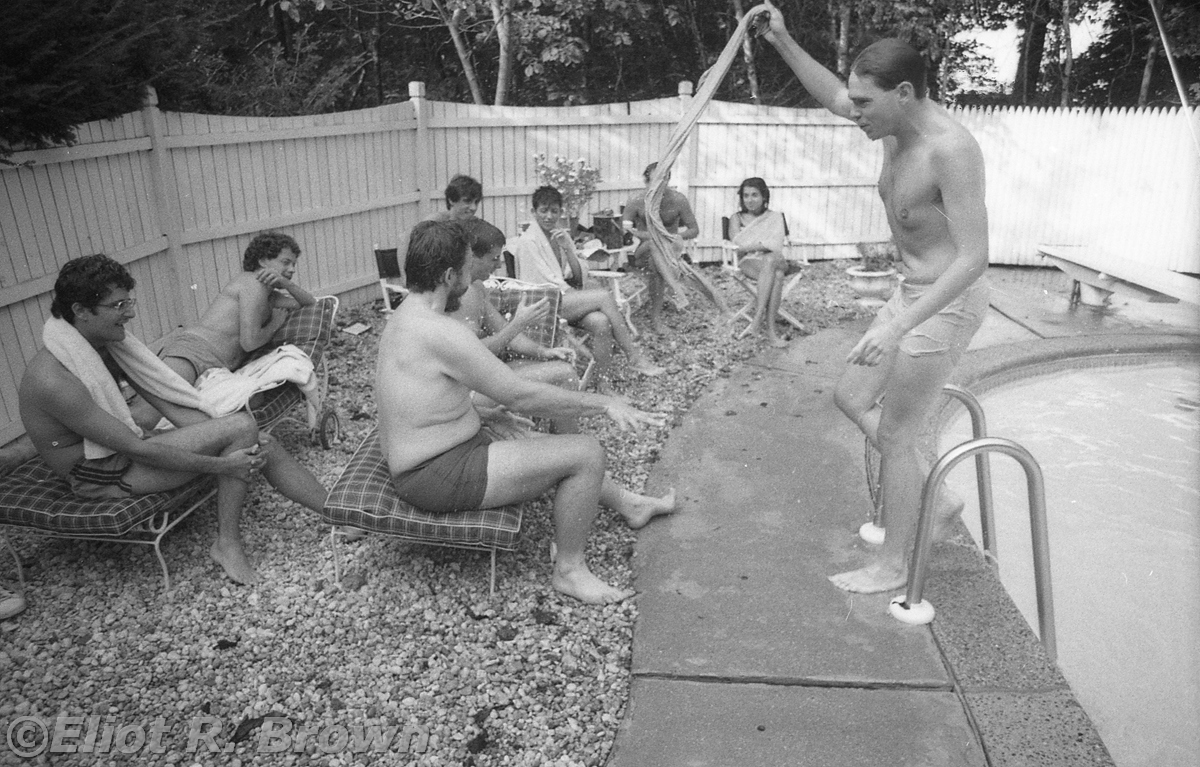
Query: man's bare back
column 246, row 297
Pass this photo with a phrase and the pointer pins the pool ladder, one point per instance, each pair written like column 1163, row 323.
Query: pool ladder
column 911, row 607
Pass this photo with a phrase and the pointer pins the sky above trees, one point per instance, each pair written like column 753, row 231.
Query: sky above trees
column 64, row 62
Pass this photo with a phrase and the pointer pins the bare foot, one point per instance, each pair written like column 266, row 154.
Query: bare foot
column 871, row 579
column 646, row 367
column 234, row 562
column 643, row 508
column 586, row 587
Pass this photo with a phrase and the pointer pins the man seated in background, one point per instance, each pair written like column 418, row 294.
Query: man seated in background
column 531, row 360
column 545, row 253
column 246, row 312
column 463, row 195
column 439, row 457
column 679, row 220
column 76, row 416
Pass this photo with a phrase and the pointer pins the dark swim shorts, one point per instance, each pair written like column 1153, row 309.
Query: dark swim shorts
column 456, row 480
column 101, row 478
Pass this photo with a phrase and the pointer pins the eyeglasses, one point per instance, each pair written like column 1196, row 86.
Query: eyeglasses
column 122, row 305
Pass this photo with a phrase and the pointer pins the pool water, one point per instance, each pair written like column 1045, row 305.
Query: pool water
column 1119, row 449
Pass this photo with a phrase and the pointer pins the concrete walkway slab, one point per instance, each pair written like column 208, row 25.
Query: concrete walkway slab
column 712, row 725
column 734, row 585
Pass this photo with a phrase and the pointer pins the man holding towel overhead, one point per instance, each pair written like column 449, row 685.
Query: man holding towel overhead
column 73, row 410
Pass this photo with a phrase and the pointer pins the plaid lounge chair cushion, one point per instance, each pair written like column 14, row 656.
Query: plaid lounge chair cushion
column 34, row 496
column 508, row 295
column 365, row 498
column 309, row 329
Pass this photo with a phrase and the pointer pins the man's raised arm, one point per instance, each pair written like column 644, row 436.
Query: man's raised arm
column 470, row 363
column 816, row 79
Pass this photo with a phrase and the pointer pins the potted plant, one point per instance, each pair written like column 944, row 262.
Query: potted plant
column 873, row 278
column 575, row 180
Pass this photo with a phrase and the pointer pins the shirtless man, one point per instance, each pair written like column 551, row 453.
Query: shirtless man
column 547, row 254
column 92, row 295
column 932, row 186
column 463, row 195
column 245, row 313
column 535, row 362
column 440, row 460
column 676, row 214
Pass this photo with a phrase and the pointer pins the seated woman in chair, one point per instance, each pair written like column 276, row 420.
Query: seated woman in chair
column 546, row 253
column 759, row 235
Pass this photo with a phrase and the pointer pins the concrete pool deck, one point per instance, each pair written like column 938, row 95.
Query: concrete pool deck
column 744, row 654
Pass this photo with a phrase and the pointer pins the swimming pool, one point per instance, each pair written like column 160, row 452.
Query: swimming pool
column 1120, row 451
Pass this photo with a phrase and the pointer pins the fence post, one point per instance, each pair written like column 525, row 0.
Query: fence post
column 686, row 169
column 162, row 184
column 416, row 93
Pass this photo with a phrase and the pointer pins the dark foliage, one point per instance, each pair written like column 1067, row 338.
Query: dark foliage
column 65, row 62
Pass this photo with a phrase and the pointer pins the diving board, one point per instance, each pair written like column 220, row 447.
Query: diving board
column 1094, row 267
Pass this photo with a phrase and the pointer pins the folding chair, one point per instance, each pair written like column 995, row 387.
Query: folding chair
column 507, row 295
column 391, row 276
column 730, row 265
column 310, row 329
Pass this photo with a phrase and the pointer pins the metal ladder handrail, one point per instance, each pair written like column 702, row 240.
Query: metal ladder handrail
column 1037, row 526
column 983, row 473
column 983, row 470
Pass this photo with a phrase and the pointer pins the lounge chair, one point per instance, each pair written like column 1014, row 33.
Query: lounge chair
column 33, row 498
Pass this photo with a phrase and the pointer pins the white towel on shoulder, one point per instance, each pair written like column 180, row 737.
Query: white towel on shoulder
column 535, row 258
column 141, row 365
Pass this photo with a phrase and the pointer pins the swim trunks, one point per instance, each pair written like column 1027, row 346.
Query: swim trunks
column 101, row 478
column 947, row 332
column 453, row 481
column 196, row 350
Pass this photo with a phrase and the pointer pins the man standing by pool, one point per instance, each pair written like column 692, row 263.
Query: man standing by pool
column 932, row 186
column 440, row 459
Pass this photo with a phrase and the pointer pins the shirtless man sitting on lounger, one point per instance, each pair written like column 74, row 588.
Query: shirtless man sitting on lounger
column 92, row 304
column 441, row 461
column 245, row 313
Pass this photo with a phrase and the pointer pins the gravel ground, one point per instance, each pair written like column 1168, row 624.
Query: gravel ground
column 409, row 642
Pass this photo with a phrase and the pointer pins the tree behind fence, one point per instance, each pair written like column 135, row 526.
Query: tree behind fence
column 177, row 197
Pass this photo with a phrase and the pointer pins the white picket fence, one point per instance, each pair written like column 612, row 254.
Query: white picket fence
column 177, row 197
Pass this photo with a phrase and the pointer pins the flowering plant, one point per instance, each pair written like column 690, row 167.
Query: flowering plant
column 877, row 256
column 576, row 181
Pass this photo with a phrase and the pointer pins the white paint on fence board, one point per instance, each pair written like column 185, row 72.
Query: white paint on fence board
column 1125, row 177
